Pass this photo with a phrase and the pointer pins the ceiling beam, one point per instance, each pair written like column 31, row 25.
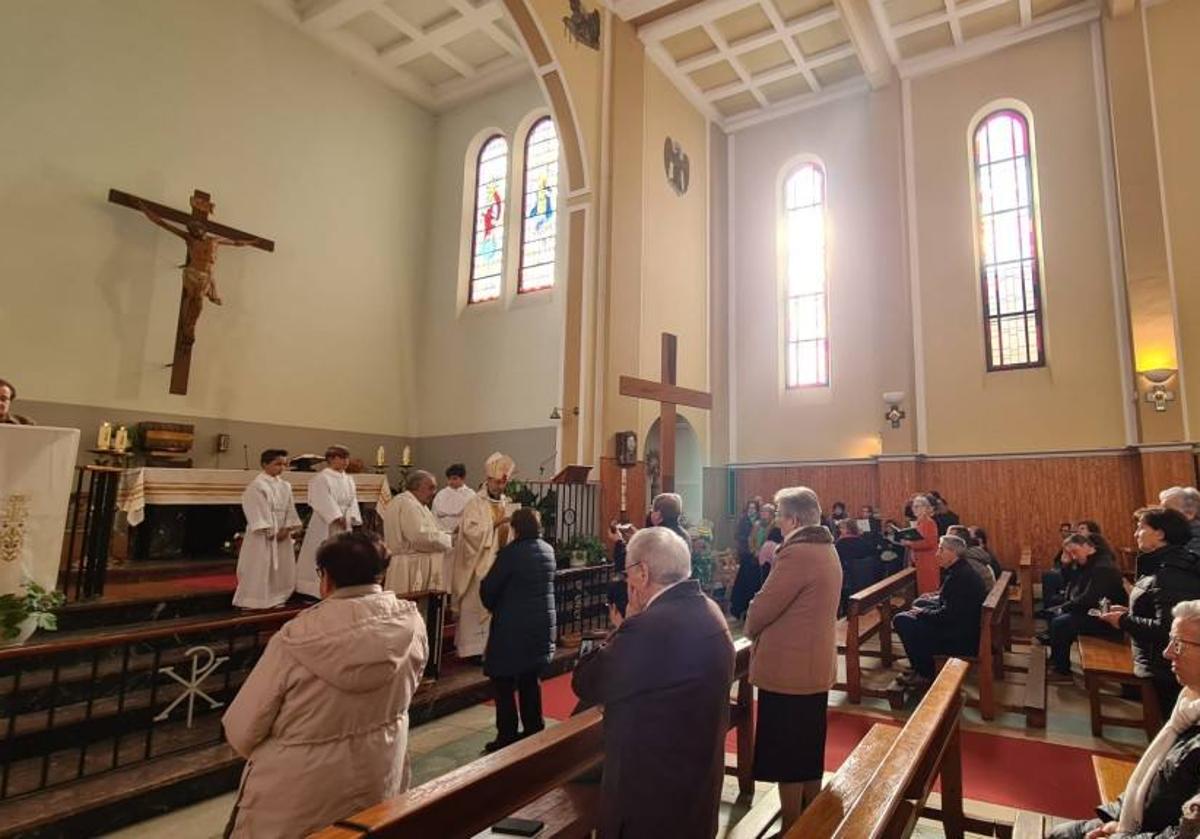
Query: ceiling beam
column 704, row 12
column 868, row 42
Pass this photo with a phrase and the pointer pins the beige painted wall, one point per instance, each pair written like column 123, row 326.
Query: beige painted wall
column 496, row 365
column 1173, row 29
column 859, row 141
column 158, row 97
column 674, row 294
column 1076, row 401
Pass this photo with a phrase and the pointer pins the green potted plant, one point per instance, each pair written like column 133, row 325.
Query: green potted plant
column 24, row 612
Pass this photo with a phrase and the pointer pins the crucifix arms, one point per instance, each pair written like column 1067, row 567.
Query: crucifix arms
column 186, row 232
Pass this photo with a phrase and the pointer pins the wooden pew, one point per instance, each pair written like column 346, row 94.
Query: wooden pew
column 869, row 612
column 1112, row 774
column 1112, row 661
column 534, row 778
column 901, row 776
column 1022, row 595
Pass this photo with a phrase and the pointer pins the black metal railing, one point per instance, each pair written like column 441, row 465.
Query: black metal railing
column 567, row 510
column 580, row 598
column 89, row 530
column 81, row 707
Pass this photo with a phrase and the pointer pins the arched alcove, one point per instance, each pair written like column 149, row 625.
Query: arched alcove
column 689, row 467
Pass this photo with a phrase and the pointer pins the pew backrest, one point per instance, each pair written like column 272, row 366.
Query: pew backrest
column 902, row 583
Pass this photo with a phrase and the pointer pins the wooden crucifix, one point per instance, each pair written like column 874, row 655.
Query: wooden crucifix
column 669, row 395
column 202, row 237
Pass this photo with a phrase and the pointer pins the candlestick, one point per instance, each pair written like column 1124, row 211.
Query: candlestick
column 121, row 443
column 104, row 438
column 406, row 457
column 379, row 459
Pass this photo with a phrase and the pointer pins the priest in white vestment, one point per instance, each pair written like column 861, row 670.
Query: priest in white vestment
column 449, row 502
column 334, row 501
column 266, row 568
column 484, row 529
column 414, row 540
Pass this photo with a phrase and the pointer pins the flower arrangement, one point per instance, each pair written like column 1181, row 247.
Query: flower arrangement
column 23, row 612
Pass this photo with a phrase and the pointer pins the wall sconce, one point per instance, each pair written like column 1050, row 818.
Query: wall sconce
column 1158, row 395
column 894, row 414
column 555, row 414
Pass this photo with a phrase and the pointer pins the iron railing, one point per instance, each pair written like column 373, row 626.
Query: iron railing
column 580, row 598
column 89, row 530
column 567, row 510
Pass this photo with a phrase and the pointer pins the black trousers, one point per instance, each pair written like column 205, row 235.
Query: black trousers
column 920, row 639
column 528, row 688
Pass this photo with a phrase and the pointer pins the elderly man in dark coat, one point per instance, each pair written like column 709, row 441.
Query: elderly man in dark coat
column 663, row 678
column 519, row 592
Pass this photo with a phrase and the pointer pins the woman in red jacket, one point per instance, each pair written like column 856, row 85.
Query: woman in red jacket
column 924, row 550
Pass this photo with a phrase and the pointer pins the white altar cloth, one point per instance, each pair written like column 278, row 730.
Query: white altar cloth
column 37, row 465
column 153, row 485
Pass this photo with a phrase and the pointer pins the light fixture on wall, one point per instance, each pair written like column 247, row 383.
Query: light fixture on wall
column 1157, row 394
column 555, row 413
column 894, row 414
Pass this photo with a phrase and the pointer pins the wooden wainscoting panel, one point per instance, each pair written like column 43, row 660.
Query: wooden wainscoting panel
column 1162, row 469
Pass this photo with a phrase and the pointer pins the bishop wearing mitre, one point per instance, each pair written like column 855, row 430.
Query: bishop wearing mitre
column 266, row 568
column 334, row 501
column 484, row 529
column 414, row 539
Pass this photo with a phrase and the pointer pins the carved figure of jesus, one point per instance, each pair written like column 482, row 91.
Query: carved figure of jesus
column 198, row 282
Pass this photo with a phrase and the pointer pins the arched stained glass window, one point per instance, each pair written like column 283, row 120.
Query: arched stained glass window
column 1009, row 269
column 539, row 215
column 487, row 246
column 806, row 344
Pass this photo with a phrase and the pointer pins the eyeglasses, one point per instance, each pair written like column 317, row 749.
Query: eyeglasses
column 1175, row 644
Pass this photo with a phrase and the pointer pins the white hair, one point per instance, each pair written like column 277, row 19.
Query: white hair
column 954, row 543
column 667, row 558
column 1187, row 499
column 1186, row 610
column 800, row 503
column 921, row 499
column 417, row 478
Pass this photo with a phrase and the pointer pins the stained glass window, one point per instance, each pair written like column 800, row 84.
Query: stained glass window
column 1009, row 270
column 806, row 342
column 538, row 216
column 487, row 246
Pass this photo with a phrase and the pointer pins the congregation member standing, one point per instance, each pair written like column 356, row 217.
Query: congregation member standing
column 519, row 592
column 1187, row 501
column 416, row 542
column 924, row 550
column 266, row 567
column 1162, row 536
column 1168, row 774
column 484, row 530
column 322, row 719
column 663, row 678
column 858, row 559
column 948, row 625
column 749, row 573
column 334, row 502
column 1094, row 577
column 449, row 502
column 1054, row 581
column 792, row 622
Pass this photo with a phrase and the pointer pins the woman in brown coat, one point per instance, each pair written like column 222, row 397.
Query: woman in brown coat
column 794, row 660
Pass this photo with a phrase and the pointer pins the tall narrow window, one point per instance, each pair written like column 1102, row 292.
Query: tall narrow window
column 538, row 215
column 487, row 246
column 1008, row 251
column 807, row 335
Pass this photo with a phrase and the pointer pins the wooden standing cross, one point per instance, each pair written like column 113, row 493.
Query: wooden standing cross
column 669, row 395
column 202, row 237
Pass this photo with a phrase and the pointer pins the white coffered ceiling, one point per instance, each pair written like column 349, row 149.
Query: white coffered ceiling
column 436, row 52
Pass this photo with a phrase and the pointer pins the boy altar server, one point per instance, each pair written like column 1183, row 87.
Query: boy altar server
column 334, row 501
column 266, row 568
column 483, row 531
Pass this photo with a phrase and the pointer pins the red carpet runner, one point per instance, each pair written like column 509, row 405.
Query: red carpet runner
column 1043, row 777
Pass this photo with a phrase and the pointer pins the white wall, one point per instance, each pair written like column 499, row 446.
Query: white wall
column 158, row 97
column 493, row 366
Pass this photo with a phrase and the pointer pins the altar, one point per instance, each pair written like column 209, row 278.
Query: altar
column 177, row 513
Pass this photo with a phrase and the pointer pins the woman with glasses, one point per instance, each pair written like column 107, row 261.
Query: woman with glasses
column 1168, row 774
column 1162, row 536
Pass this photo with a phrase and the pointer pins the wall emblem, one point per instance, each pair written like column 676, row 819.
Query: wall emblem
column 12, row 527
column 191, row 687
column 583, row 26
column 677, row 166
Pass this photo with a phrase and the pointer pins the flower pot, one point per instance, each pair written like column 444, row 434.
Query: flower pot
column 27, row 628
column 578, row 559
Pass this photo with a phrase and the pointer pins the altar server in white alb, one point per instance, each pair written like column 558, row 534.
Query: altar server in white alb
column 266, row 568
column 414, row 540
column 334, row 501
column 483, row 531
column 449, row 502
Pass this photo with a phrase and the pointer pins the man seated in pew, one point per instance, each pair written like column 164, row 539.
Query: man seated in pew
column 972, row 556
column 663, row 678
column 1187, row 501
column 977, row 546
column 1168, row 774
column 949, row 626
column 1054, row 581
column 1161, row 536
column 1095, row 578
column 793, row 623
column 322, row 719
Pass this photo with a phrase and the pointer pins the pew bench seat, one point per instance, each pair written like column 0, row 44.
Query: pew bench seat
column 1112, row 775
column 1104, row 660
column 1030, row 825
column 569, row 812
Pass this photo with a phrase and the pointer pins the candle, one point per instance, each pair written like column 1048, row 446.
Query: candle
column 406, row 458
column 104, row 438
column 122, row 441
column 379, row 459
